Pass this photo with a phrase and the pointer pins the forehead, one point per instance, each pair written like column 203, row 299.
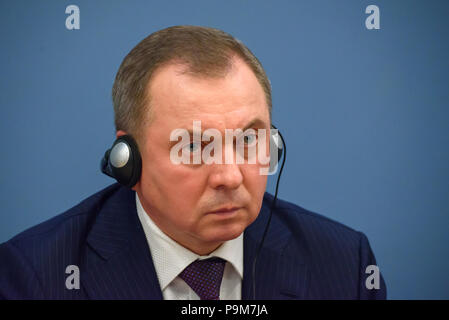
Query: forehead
column 177, row 97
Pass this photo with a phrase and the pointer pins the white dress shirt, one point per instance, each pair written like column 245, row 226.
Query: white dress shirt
column 170, row 259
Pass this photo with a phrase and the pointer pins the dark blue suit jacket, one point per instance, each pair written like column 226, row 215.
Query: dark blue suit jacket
column 305, row 255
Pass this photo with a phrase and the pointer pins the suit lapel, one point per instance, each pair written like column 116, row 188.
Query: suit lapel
column 281, row 271
column 118, row 263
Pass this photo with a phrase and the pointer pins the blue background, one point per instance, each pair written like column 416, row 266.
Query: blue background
column 364, row 112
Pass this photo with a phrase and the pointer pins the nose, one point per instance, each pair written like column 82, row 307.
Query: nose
column 225, row 176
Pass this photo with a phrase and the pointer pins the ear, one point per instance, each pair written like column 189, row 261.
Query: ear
column 120, row 133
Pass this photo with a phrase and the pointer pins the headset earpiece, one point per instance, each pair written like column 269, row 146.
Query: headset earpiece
column 276, row 148
column 123, row 161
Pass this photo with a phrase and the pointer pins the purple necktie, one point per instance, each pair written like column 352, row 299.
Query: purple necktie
column 204, row 277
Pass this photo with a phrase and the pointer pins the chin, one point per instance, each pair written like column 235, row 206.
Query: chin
column 224, row 233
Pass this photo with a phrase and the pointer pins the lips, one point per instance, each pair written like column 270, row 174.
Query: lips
column 225, row 210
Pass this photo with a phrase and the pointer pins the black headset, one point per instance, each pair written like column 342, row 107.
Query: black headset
column 124, row 163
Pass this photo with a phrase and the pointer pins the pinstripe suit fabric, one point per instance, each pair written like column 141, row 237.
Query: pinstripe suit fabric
column 305, row 255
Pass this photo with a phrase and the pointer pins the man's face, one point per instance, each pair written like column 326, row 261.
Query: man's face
column 180, row 197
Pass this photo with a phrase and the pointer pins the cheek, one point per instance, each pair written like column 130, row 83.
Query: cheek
column 255, row 183
column 253, row 177
column 173, row 188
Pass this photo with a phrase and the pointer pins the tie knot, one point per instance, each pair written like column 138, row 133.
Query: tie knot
column 204, row 277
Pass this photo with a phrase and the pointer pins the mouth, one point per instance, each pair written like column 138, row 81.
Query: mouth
column 225, row 211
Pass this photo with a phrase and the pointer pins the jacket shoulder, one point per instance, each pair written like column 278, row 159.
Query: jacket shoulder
column 335, row 253
column 83, row 211
column 295, row 218
column 322, row 240
column 35, row 256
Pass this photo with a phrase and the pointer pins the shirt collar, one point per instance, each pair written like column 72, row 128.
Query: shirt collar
column 170, row 258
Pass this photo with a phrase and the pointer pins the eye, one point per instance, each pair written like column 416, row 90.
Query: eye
column 192, row 147
column 249, row 139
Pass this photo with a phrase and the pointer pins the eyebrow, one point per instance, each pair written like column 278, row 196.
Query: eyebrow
column 256, row 122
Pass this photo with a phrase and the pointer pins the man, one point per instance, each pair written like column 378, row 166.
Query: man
column 186, row 230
